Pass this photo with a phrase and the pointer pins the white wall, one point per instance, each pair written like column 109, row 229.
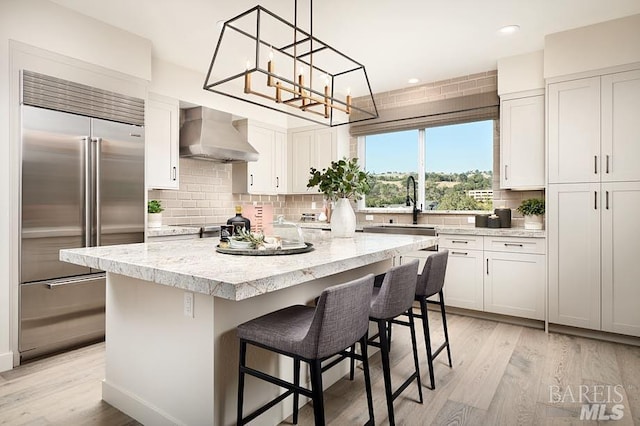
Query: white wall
column 94, row 53
column 521, row 73
column 603, row 45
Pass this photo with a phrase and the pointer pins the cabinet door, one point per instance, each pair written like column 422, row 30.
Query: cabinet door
column 463, row 280
column 302, row 148
column 574, row 131
column 162, row 122
column 573, row 218
column 621, row 126
column 261, row 177
column 280, row 162
column 325, row 148
column 620, row 265
column 514, row 284
column 421, row 255
column 522, row 143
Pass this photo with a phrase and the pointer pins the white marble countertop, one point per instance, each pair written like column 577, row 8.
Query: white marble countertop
column 195, row 265
column 166, row 230
column 443, row 229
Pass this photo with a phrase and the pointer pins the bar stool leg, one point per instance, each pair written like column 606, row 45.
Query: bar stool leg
column 352, row 362
column 427, row 339
column 367, row 378
column 316, row 391
column 386, row 369
column 243, row 358
column 444, row 324
column 414, row 345
column 296, row 394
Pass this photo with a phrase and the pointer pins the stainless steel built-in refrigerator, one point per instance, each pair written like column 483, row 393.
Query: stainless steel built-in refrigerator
column 82, row 186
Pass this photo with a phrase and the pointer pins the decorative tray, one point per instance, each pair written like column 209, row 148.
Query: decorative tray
column 267, row 252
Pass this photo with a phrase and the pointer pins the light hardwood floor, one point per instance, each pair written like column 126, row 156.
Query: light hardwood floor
column 502, row 375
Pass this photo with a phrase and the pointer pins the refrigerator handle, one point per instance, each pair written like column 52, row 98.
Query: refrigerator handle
column 98, row 229
column 87, row 191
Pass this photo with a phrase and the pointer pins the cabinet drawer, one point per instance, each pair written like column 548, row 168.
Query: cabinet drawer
column 515, row 244
column 465, row 242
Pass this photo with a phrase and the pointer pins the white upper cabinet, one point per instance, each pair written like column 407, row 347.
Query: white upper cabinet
column 162, row 127
column 309, row 148
column 522, row 143
column 621, row 126
column 574, row 131
column 268, row 175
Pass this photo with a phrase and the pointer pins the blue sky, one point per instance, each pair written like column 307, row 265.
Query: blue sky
column 455, row 148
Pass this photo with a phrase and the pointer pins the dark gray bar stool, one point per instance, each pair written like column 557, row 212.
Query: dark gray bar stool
column 430, row 283
column 393, row 298
column 304, row 333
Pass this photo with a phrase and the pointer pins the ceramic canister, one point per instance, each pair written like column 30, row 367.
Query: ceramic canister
column 505, row 217
column 482, row 220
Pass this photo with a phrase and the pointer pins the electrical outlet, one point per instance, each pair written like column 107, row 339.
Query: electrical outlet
column 471, row 219
column 188, row 304
column 313, row 205
column 368, row 217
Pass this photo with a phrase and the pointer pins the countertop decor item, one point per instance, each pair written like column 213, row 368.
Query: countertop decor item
column 493, row 221
column 482, row 220
column 533, row 211
column 341, row 181
column 293, row 72
column 154, row 214
column 505, row 217
column 266, row 252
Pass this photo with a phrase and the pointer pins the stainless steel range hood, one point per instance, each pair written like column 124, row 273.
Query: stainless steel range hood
column 208, row 134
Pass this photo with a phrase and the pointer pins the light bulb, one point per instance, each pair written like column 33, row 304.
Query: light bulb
column 271, row 54
column 301, row 70
column 248, row 65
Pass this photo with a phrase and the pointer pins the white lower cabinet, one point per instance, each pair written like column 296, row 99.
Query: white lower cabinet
column 514, row 284
column 504, row 275
column 594, row 243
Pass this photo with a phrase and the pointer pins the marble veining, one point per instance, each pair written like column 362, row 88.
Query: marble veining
column 492, row 232
column 167, row 230
column 194, row 265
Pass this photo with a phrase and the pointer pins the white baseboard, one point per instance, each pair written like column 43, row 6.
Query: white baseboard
column 6, row 361
column 135, row 407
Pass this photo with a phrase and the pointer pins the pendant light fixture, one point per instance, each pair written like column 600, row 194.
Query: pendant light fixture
column 265, row 60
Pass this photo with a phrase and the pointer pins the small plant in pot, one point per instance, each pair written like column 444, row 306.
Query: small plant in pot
column 533, row 211
column 154, row 214
column 342, row 180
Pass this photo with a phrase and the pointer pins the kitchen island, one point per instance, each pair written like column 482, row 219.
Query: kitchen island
column 172, row 309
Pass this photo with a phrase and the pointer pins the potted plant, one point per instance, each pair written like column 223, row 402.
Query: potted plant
column 339, row 182
column 154, row 213
column 533, row 210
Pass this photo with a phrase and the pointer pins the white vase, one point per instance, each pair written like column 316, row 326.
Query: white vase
column 532, row 222
column 343, row 219
column 154, row 220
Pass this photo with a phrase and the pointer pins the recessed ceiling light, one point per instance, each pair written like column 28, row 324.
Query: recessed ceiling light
column 414, row 80
column 509, row 29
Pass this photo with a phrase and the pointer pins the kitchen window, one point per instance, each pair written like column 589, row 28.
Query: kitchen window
column 452, row 166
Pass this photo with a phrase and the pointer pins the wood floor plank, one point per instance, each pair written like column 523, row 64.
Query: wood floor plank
column 628, row 358
column 562, row 371
column 511, row 405
column 456, row 413
column 480, row 381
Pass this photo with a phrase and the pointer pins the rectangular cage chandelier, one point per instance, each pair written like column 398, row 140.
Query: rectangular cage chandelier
column 265, row 60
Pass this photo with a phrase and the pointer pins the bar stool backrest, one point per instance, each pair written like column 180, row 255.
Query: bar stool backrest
column 341, row 317
column 397, row 291
column 431, row 280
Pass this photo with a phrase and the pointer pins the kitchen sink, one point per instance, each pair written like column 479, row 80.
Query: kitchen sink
column 400, row 229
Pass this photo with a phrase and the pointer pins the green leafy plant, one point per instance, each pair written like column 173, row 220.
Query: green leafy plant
column 256, row 239
column 343, row 179
column 154, row 206
column 532, row 207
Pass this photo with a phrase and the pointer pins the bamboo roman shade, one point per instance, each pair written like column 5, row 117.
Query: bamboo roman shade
column 463, row 109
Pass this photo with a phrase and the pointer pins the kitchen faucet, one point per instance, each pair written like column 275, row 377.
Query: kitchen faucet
column 410, row 200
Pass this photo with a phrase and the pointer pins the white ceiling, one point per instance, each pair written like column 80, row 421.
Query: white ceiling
column 395, row 40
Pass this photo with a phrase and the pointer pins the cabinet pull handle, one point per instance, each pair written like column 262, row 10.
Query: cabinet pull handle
column 459, row 252
column 277, row 182
column 595, row 200
column 607, row 165
column 135, row 135
column 175, row 173
column 606, row 199
column 513, row 245
column 459, row 242
column 487, row 266
column 506, row 175
column 595, row 164
column 251, row 177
